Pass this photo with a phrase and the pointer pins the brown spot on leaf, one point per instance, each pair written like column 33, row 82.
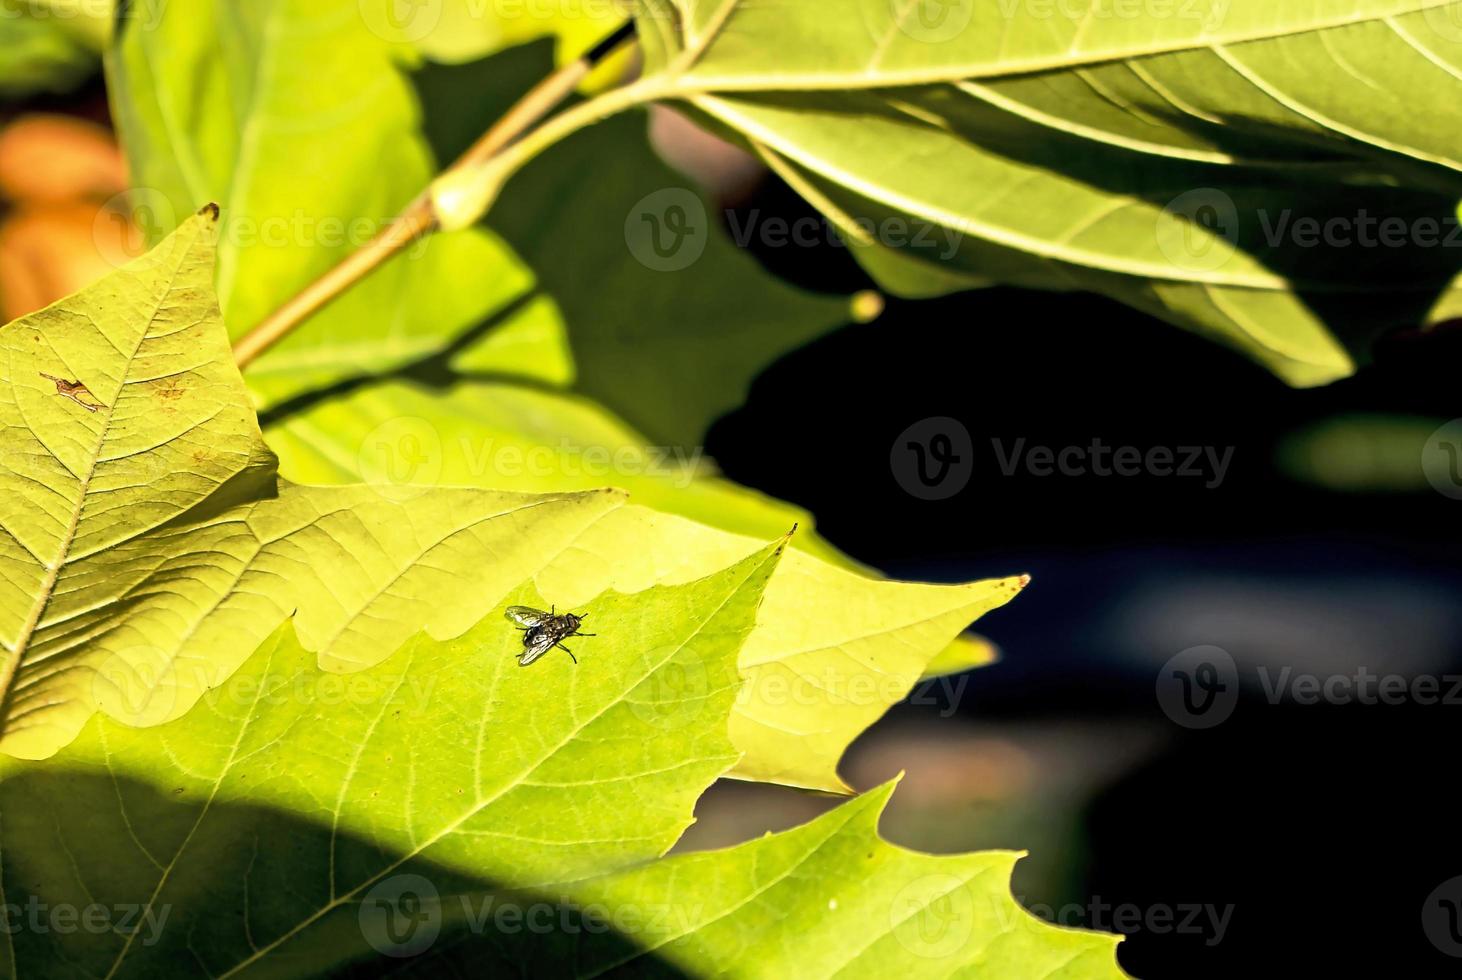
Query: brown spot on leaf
column 75, row 391
column 168, row 389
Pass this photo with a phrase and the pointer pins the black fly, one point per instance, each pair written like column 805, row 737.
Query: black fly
column 542, row 631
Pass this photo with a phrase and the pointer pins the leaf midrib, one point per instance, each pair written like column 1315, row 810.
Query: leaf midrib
column 849, row 814
column 203, row 812
column 687, row 82
column 11, row 670
column 1030, row 244
column 479, row 806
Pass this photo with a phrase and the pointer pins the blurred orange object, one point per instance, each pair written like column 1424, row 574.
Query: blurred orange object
column 59, row 177
column 50, row 252
column 48, row 159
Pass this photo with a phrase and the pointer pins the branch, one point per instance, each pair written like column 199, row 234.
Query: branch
column 420, row 217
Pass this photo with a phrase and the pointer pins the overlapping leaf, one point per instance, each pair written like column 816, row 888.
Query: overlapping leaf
column 1148, row 156
column 448, row 808
column 830, row 899
column 263, row 820
column 148, row 544
column 149, row 541
column 456, row 31
column 298, row 116
column 294, row 115
column 675, row 347
column 50, row 45
column 835, row 647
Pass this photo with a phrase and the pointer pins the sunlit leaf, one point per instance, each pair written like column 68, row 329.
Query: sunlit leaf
column 452, row 812
column 262, row 822
column 835, row 646
column 149, row 544
column 1170, row 161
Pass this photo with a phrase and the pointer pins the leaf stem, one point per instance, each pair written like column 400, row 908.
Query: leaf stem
column 420, row 217
column 461, row 197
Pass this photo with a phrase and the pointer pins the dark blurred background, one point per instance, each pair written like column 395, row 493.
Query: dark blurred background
column 1312, row 833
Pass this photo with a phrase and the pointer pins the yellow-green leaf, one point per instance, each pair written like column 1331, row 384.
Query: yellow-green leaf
column 1174, row 162
column 455, row 814
column 832, row 899
column 148, row 544
column 151, row 544
column 260, row 826
column 967, row 652
column 835, row 647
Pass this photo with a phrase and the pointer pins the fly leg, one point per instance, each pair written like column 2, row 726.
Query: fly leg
column 568, row 651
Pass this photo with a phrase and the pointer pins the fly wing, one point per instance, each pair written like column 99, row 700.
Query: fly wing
column 527, row 615
column 535, row 647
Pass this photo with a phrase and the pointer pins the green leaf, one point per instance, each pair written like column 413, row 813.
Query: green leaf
column 457, row 31
column 50, row 45
column 400, row 433
column 150, row 541
column 835, row 646
column 295, row 115
column 966, row 653
column 149, row 544
column 311, row 135
column 1361, row 453
column 832, row 899
column 627, row 324
column 668, row 327
column 1146, row 157
column 259, row 822
column 512, row 821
